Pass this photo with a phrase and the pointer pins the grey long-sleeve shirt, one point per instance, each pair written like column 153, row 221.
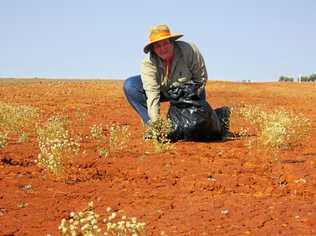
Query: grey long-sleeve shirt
column 188, row 64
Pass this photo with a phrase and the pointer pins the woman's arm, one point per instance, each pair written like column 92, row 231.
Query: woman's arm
column 151, row 87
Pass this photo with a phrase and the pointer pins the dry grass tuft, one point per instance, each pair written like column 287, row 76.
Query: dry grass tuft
column 16, row 120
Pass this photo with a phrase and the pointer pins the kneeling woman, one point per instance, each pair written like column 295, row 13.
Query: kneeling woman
column 169, row 62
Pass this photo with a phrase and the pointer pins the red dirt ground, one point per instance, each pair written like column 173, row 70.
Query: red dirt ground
column 214, row 188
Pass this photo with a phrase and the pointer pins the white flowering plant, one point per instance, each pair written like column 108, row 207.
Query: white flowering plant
column 279, row 128
column 56, row 145
column 86, row 223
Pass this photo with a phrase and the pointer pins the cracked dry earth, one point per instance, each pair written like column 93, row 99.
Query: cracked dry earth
column 196, row 188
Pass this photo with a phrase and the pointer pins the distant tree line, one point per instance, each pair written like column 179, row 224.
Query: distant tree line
column 286, row 79
column 311, row 78
column 308, row 78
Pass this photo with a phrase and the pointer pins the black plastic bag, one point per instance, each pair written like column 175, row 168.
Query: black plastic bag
column 191, row 118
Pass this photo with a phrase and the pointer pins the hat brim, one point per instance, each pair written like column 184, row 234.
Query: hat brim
column 174, row 37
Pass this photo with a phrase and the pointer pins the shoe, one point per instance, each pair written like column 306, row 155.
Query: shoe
column 223, row 115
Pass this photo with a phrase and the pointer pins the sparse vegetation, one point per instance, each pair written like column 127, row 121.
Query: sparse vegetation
column 119, row 137
column 277, row 129
column 23, row 138
column 16, row 120
column 86, row 223
column 3, row 139
column 197, row 178
column 157, row 133
column 103, row 152
column 81, row 116
column 243, row 132
column 96, row 132
column 56, row 145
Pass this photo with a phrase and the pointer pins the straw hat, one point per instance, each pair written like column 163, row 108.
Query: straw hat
column 160, row 32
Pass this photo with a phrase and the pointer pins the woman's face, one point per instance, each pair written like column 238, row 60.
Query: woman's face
column 164, row 49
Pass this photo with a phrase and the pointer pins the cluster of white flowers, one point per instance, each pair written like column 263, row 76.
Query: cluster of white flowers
column 96, row 132
column 243, row 132
column 283, row 129
column 158, row 132
column 254, row 114
column 86, row 223
column 121, row 225
column 82, row 223
column 279, row 128
column 55, row 145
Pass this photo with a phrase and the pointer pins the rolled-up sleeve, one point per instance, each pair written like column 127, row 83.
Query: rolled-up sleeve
column 151, row 87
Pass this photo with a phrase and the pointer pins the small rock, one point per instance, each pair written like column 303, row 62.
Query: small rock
column 26, row 187
column 300, row 181
column 225, row 211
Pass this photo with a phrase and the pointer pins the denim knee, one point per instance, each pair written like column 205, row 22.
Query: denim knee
column 132, row 85
column 128, row 87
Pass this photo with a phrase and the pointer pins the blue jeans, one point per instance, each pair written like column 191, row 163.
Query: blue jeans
column 136, row 96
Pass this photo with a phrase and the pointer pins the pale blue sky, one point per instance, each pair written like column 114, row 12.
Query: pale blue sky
column 240, row 40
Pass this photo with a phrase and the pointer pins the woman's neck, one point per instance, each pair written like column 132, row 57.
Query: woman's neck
column 168, row 61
